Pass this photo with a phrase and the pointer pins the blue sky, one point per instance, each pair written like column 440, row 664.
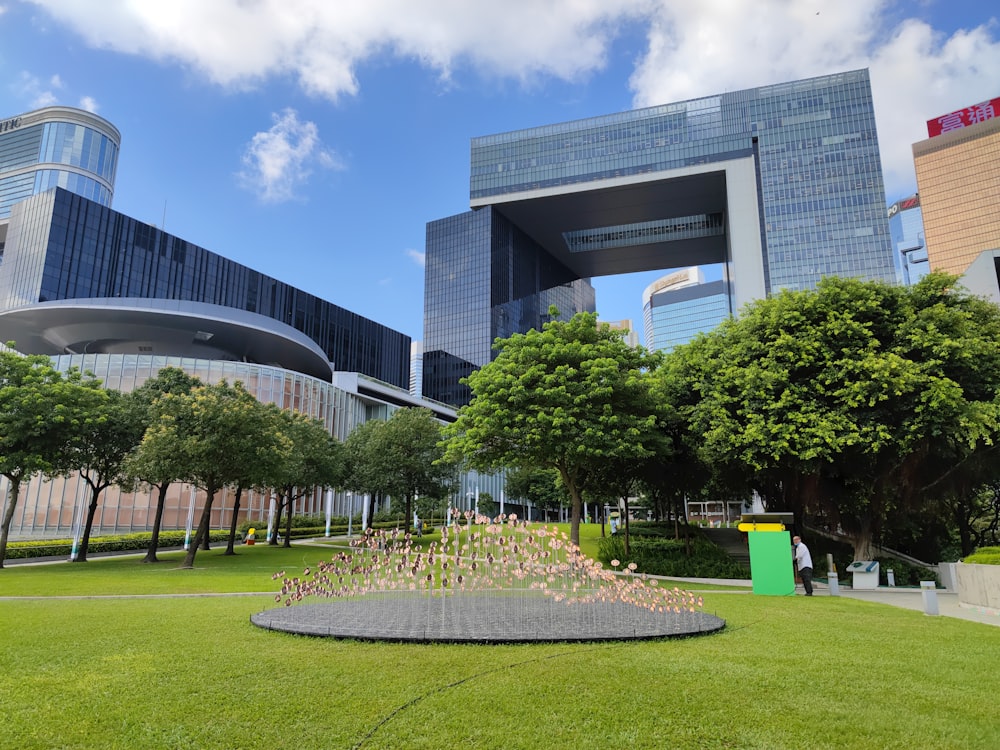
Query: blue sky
column 313, row 139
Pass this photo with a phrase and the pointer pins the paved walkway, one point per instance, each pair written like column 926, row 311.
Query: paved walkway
column 908, row 598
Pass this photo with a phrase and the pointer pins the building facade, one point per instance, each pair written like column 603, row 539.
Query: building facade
column 62, row 247
column 105, row 293
column 782, row 184
column 679, row 306
column 958, row 179
column 906, row 227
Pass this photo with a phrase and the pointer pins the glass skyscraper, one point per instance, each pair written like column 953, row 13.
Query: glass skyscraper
column 56, row 147
column 781, row 183
column 679, row 306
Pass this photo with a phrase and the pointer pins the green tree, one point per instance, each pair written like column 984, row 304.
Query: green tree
column 104, row 444
column 542, row 487
column 316, row 459
column 849, row 402
column 413, row 457
column 213, row 432
column 400, row 457
column 148, row 465
column 267, row 468
column 365, row 468
column 568, row 397
column 42, row 414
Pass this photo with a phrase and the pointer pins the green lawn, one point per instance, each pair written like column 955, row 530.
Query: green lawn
column 193, row 672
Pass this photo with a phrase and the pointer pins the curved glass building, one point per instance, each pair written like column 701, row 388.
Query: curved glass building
column 57, row 147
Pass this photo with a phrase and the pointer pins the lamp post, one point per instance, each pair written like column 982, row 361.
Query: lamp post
column 350, row 514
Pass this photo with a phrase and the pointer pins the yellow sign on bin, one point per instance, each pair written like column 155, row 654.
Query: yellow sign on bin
column 761, row 527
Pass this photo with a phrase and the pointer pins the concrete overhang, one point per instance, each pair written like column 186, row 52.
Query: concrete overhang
column 546, row 213
column 161, row 327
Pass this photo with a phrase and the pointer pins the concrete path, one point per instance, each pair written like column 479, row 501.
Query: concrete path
column 908, row 598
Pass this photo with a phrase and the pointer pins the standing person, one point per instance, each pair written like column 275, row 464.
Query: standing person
column 804, row 562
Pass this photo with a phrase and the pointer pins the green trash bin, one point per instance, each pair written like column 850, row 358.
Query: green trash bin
column 771, row 566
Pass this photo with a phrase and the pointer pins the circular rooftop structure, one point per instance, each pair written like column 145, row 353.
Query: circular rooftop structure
column 162, row 327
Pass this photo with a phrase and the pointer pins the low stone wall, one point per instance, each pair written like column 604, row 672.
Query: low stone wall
column 979, row 586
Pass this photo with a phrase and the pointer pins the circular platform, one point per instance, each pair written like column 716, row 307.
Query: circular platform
column 479, row 618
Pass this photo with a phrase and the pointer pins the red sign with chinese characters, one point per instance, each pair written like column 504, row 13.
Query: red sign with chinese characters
column 963, row 117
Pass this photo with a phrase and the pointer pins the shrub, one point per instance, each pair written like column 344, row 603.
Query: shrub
column 657, row 555
column 984, row 556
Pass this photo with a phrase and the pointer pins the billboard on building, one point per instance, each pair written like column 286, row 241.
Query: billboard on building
column 963, row 117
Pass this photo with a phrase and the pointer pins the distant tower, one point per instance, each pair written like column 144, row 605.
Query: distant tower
column 906, row 227
column 56, row 147
column 679, row 306
column 631, row 337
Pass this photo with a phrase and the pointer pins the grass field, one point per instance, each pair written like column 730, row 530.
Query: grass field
column 192, row 672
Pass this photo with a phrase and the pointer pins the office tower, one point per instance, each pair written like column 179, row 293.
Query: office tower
column 679, row 306
column 958, row 179
column 906, row 227
column 782, row 184
column 56, row 147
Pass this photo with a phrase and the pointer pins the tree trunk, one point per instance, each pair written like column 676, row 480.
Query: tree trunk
column 279, row 504
column 574, row 519
column 154, row 541
column 408, row 517
column 203, row 526
column 207, row 537
column 626, row 525
column 231, row 546
column 288, row 519
column 861, row 541
column 12, row 494
column 95, row 494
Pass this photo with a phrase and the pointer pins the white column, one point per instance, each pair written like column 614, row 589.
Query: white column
column 78, row 512
column 329, row 510
column 270, row 518
column 190, row 518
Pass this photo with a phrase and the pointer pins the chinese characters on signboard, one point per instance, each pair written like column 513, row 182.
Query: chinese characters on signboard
column 963, row 117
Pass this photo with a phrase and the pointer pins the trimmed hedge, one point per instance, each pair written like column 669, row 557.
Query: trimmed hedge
column 658, row 555
column 121, row 543
column 984, row 556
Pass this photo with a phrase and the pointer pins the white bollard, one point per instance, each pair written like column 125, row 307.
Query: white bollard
column 834, row 582
column 928, row 590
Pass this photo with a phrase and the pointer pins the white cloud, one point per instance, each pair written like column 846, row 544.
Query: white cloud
column 89, row 103
column 692, row 48
column 279, row 160
column 30, row 87
column 322, row 43
column 697, row 49
column 416, row 256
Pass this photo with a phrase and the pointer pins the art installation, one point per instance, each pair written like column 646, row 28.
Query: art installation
column 488, row 581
